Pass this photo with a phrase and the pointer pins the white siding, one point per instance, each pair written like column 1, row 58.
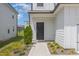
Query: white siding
column 70, row 25
column 64, row 24
column 60, row 27
column 6, row 22
column 47, row 6
column 49, row 30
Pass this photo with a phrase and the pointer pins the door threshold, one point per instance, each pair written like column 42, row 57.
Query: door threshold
column 40, row 40
column 44, row 40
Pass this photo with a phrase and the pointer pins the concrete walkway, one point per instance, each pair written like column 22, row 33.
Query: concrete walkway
column 40, row 49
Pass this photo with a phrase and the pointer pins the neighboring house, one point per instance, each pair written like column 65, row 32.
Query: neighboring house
column 59, row 22
column 20, row 27
column 8, row 21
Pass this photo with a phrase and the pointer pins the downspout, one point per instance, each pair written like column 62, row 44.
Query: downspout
column 16, row 25
column 29, row 13
column 29, row 19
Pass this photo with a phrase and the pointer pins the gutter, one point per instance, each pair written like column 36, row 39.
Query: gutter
column 45, row 11
column 16, row 18
column 52, row 11
column 56, row 7
column 13, row 8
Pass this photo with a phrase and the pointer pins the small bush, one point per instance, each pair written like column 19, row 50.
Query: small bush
column 62, row 50
column 28, row 35
column 53, row 46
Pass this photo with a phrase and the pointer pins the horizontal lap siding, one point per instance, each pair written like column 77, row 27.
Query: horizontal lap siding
column 60, row 37
column 60, row 28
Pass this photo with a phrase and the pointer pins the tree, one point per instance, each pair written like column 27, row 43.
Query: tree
column 28, row 35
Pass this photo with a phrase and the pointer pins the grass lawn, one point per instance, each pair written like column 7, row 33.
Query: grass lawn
column 56, row 49
column 15, row 39
column 21, row 33
column 13, row 46
column 8, row 47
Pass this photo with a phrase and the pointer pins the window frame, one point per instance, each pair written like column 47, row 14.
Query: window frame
column 40, row 4
column 13, row 16
column 8, row 31
column 13, row 29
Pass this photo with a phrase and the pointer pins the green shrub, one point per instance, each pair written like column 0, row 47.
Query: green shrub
column 28, row 35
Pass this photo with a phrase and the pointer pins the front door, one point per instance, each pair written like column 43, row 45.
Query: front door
column 40, row 30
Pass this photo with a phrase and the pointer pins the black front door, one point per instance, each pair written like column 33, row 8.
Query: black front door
column 40, row 30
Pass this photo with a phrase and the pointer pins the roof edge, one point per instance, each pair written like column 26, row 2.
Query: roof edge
column 45, row 11
column 12, row 8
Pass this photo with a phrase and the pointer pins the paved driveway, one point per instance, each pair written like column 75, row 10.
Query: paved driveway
column 40, row 49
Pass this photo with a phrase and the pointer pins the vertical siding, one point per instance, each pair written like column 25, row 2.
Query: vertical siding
column 71, row 21
column 66, row 22
column 6, row 22
column 60, row 27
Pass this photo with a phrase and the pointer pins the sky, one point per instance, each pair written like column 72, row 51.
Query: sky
column 22, row 9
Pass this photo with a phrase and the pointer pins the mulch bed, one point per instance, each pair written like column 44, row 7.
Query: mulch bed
column 22, row 52
column 61, row 51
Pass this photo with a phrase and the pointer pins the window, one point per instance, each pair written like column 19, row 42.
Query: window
column 8, row 31
column 40, row 4
column 13, row 28
column 12, row 16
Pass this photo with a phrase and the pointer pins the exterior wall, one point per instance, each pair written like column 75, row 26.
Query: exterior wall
column 59, row 17
column 49, row 31
column 70, row 24
column 6, row 22
column 47, row 6
column 64, row 24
